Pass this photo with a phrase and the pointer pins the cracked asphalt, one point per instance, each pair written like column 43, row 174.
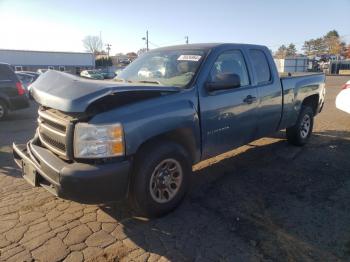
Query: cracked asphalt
column 266, row 201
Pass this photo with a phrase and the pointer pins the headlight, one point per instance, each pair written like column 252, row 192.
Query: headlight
column 98, row 141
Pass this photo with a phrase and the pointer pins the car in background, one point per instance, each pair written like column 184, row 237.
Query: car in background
column 118, row 71
column 41, row 71
column 92, row 74
column 12, row 93
column 106, row 73
column 342, row 102
column 125, row 62
column 35, row 75
column 25, row 79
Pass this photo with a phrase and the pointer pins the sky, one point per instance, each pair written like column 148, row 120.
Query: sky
column 61, row 25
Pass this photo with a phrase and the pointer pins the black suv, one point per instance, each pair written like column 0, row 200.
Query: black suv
column 12, row 93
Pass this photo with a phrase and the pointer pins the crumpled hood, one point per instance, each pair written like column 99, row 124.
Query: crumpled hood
column 69, row 93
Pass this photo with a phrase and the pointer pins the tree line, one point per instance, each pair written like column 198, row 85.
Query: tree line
column 329, row 44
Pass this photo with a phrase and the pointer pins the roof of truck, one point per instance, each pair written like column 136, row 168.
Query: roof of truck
column 206, row 46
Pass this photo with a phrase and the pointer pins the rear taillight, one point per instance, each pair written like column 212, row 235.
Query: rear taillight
column 345, row 86
column 20, row 88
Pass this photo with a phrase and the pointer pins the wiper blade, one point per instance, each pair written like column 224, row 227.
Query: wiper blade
column 119, row 80
column 137, row 81
column 148, row 82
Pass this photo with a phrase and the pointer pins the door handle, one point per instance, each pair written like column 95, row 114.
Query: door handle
column 249, row 99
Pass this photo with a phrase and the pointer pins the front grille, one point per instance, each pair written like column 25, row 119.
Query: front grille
column 55, row 132
column 57, row 144
column 55, row 125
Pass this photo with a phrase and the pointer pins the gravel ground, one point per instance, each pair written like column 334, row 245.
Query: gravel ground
column 266, row 201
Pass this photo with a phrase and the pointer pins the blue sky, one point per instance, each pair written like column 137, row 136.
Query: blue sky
column 61, row 25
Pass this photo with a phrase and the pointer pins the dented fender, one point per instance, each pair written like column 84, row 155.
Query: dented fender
column 151, row 118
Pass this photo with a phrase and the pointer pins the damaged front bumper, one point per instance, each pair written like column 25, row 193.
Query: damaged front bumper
column 81, row 182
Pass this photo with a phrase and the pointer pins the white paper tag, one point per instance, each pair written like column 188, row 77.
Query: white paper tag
column 189, row 58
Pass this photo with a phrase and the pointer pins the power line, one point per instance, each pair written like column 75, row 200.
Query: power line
column 153, row 44
column 171, row 42
column 164, row 44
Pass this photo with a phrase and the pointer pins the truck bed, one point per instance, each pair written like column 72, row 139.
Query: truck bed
column 297, row 74
column 295, row 89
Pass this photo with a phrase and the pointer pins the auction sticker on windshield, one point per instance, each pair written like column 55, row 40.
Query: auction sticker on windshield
column 189, row 57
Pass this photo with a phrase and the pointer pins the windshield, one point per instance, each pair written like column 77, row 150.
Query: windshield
column 165, row 67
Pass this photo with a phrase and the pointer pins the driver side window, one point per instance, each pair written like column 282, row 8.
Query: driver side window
column 230, row 62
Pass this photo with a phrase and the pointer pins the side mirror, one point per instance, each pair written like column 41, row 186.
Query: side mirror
column 224, row 81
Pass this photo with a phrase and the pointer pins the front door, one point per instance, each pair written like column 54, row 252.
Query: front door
column 228, row 117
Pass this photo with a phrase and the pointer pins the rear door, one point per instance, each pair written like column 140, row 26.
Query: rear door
column 269, row 88
column 228, row 117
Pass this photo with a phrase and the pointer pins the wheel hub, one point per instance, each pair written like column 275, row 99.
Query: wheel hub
column 166, row 180
column 163, row 179
column 305, row 126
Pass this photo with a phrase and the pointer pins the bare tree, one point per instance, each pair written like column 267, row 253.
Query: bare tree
column 92, row 44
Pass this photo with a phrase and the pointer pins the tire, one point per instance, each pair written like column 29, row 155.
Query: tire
column 3, row 110
column 160, row 178
column 300, row 133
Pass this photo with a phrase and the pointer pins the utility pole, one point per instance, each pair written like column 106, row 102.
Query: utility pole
column 108, row 49
column 186, row 37
column 146, row 39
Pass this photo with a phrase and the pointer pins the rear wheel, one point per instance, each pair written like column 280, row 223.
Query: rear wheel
column 300, row 133
column 160, row 179
column 3, row 110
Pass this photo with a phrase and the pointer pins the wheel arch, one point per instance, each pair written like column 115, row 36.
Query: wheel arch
column 311, row 101
column 182, row 136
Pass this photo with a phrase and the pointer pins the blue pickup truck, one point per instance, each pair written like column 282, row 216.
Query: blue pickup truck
column 138, row 136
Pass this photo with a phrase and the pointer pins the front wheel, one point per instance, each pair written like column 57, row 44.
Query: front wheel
column 160, row 178
column 300, row 133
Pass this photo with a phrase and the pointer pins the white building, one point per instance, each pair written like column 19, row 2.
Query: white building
column 292, row 65
column 27, row 60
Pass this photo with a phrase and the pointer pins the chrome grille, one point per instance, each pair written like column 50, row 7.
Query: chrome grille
column 54, row 131
column 56, row 126
column 57, row 144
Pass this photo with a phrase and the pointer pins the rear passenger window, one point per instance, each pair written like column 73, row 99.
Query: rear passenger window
column 261, row 66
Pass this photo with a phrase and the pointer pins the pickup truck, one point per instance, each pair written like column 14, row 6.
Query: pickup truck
column 138, row 136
